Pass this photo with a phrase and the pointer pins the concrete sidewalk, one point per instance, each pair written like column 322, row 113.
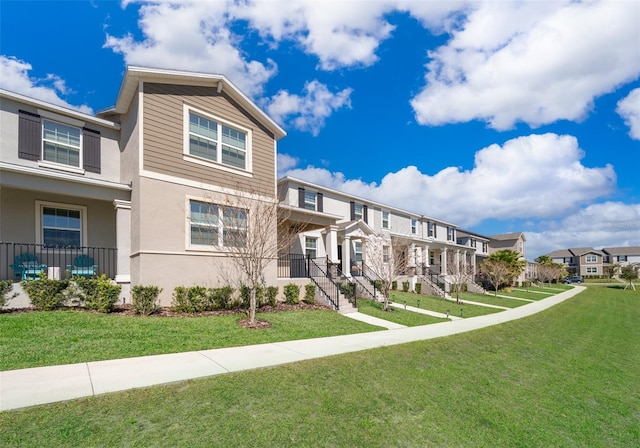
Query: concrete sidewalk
column 40, row 385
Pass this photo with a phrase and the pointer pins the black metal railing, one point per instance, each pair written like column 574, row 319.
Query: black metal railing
column 292, row 266
column 437, row 281
column 360, row 287
column 17, row 259
column 323, row 281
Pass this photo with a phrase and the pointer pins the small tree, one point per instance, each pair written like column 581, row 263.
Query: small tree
column 497, row 272
column 548, row 270
column 613, row 270
column 630, row 274
column 514, row 262
column 460, row 273
column 387, row 257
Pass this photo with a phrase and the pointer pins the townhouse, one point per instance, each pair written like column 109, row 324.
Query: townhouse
column 145, row 188
column 590, row 262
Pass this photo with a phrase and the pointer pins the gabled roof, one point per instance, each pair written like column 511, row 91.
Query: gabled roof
column 580, row 251
column 462, row 232
column 358, row 226
column 134, row 75
column 562, row 253
column 508, row 236
column 631, row 250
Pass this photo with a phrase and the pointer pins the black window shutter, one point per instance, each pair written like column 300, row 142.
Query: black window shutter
column 353, row 211
column 29, row 135
column 91, row 150
column 300, row 197
column 319, row 204
column 365, row 213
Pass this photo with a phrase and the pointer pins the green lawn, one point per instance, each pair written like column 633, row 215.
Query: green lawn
column 567, row 377
column 523, row 294
column 440, row 305
column 491, row 300
column 65, row 337
column 396, row 315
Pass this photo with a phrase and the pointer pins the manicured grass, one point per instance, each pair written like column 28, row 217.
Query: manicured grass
column 441, row 305
column 491, row 300
column 396, row 315
column 65, row 337
column 523, row 294
column 565, row 377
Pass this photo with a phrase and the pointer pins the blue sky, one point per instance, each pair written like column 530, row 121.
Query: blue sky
column 497, row 116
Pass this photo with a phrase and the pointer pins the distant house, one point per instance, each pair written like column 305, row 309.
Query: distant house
column 590, row 262
column 514, row 241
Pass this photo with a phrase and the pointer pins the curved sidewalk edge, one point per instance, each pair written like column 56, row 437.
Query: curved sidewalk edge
column 41, row 385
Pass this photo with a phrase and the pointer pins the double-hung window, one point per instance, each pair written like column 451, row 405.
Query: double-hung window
column 591, row 259
column 211, row 139
column 622, row 258
column 218, row 226
column 310, row 247
column 450, row 234
column 432, row 229
column 592, row 270
column 61, row 143
column 358, row 211
column 60, row 225
column 414, row 226
column 385, row 219
column 357, row 248
column 309, row 200
column 386, row 254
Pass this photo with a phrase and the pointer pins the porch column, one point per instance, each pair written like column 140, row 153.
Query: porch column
column 332, row 244
column 123, row 244
column 425, row 256
column 457, row 262
column 346, row 256
column 419, row 260
column 443, row 261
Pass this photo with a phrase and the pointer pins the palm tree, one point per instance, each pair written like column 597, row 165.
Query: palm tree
column 513, row 260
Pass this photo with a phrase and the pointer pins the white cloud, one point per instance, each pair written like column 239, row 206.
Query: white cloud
column 537, row 176
column 286, row 163
column 340, row 34
column 611, row 224
column 535, row 62
column 308, row 112
column 14, row 76
column 192, row 36
column 629, row 109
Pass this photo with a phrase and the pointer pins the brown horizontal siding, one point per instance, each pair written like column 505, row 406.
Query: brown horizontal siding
column 163, row 136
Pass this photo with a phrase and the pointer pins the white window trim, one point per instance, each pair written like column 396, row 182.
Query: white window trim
column 414, row 226
column 83, row 220
column 587, row 257
column 355, row 211
column 247, row 172
column 207, row 248
column 56, row 118
column 315, row 200
column 594, row 270
column 315, row 248
column 388, row 226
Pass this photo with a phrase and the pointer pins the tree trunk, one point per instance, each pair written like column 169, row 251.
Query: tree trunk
column 252, row 305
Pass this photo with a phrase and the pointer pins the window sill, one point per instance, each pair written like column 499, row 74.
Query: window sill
column 215, row 165
column 60, row 167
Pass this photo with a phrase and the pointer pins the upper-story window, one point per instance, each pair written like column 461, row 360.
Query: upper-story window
column 431, row 229
column 520, row 247
column 472, row 242
column 309, row 200
column 591, row 259
column 57, row 141
column 215, row 140
column 61, row 143
column 385, row 219
column 485, row 247
column 622, row 258
column 357, row 211
column 414, row 226
column 450, row 234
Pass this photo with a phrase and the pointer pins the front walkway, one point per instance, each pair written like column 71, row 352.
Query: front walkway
column 40, row 385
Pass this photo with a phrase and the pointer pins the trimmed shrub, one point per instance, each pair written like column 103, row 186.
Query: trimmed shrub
column 245, row 297
column 348, row 289
column 310, row 293
column 222, row 298
column 270, row 295
column 5, row 292
column 394, row 285
column 418, row 288
column 191, row 300
column 145, row 299
column 45, row 294
column 291, row 293
column 405, row 286
column 98, row 294
column 378, row 284
column 463, row 288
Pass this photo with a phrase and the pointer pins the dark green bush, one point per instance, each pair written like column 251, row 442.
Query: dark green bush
column 378, row 284
column 394, row 285
column 405, row 286
column 5, row 292
column 454, row 288
column 245, row 296
column 145, row 299
column 194, row 299
column 418, row 288
column 348, row 289
column 222, row 298
column 310, row 293
column 271, row 295
column 45, row 294
column 291, row 293
column 99, row 293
